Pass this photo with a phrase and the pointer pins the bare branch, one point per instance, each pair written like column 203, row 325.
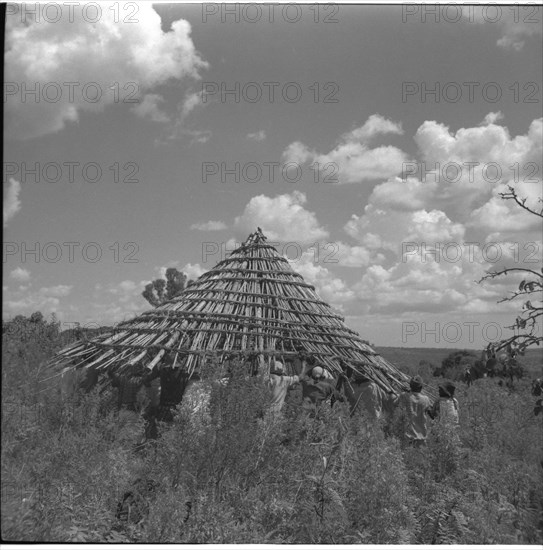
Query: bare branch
column 526, row 324
column 512, row 194
column 517, row 294
column 494, row 274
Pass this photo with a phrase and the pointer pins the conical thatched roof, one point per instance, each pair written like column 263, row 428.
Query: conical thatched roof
column 251, row 302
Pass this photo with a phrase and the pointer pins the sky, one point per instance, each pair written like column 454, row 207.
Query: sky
column 370, row 142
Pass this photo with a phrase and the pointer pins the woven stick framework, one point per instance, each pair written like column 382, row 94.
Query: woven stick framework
column 252, row 302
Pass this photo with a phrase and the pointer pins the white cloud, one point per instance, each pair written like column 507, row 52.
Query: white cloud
column 330, row 287
column 297, row 152
column 411, row 286
column 31, row 303
column 20, row 274
column 506, row 217
column 202, row 136
column 515, row 26
column 257, row 136
column 211, row 225
column 25, row 301
column 352, row 159
column 282, row 218
column 138, row 56
column 149, row 108
column 58, row 291
column 483, row 144
column 357, row 163
column 123, row 299
column 403, row 193
column 230, row 245
column 191, row 101
column 391, row 229
column 466, row 168
column 515, row 34
column 129, row 286
column 433, row 226
column 492, row 118
column 193, row 271
column 375, row 125
column 427, row 242
column 12, row 203
column 350, row 256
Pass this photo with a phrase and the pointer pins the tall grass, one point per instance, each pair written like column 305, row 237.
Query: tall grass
column 235, row 475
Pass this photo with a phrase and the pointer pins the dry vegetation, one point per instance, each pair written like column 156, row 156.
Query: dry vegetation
column 66, row 464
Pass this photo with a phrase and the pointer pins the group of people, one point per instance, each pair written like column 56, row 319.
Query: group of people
column 166, row 386
column 364, row 394
column 315, row 381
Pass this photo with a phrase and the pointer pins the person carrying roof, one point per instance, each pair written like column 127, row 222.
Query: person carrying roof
column 317, row 389
column 172, row 386
column 416, row 408
column 128, row 386
column 364, row 394
column 280, row 383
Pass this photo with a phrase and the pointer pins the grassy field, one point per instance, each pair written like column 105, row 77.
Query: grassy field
column 231, row 475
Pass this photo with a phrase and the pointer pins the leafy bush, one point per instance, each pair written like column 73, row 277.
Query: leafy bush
column 454, row 365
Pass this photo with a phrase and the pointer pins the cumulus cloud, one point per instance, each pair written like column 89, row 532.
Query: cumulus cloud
column 282, row 218
column 356, row 162
column 515, row 34
column 58, row 291
column 375, row 125
column 24, row 300
column 211, row 225
column 193, row 271
column 138, row 57
column 402, row 193
column 483, row 144
column 200, row 136
column 149, row 108
column 515, row 27
column 191, row 101
column 492, row 118
column 391, row 230
column 504, row 218
column 460, row 171
column 329, row 287
column 412, row 286
column 353, row 160
column 20, row 274
column 297, row 152
column 351, row 256
column 116, row 302
column 12, row 203
column 178, row 128
column 30, row 303
column 427, row 241
column 257, row 136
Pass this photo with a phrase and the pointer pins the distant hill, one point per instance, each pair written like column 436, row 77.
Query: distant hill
column 411, row 357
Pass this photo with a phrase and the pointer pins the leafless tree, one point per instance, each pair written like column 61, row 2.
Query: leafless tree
column 527, row 326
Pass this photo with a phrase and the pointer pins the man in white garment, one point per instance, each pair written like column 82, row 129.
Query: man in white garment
column 279, row 384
